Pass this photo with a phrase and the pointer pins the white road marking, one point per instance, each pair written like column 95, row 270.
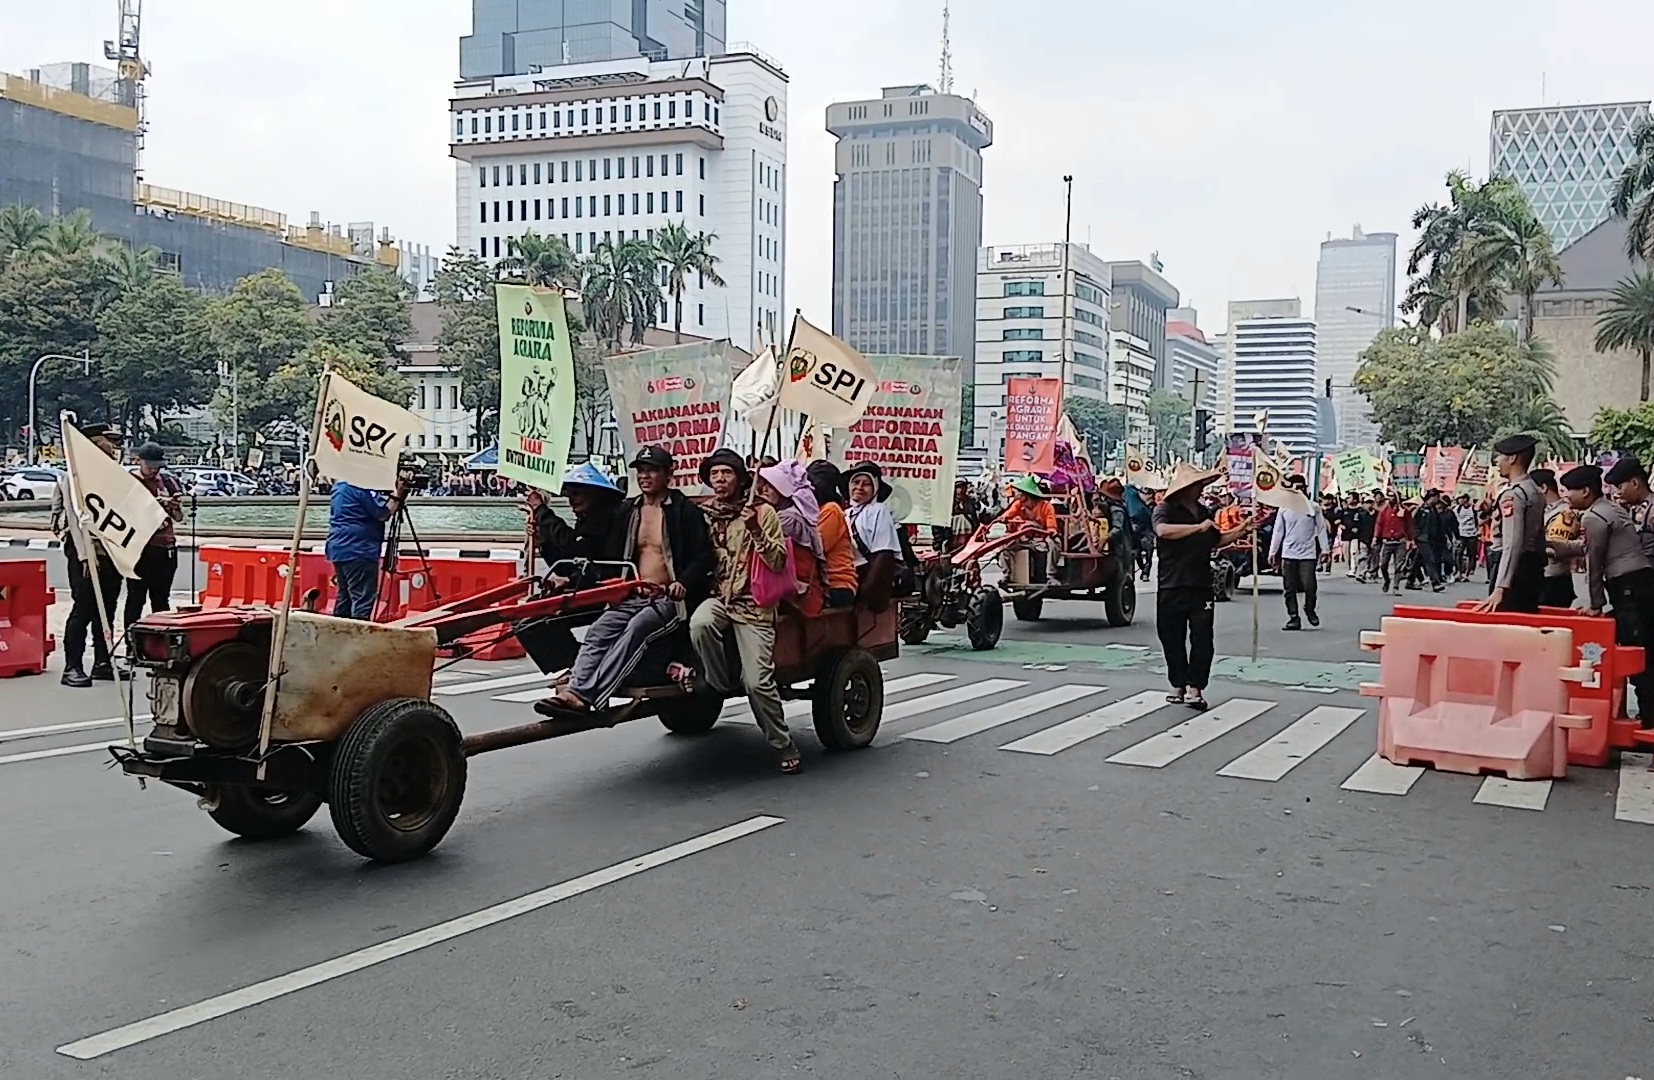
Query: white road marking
column 993, row 716
column 1054, row 740
column 448, row 675
column 1635, row 798
column 1516, row 794
column 1292, row 747
column 931, row 702
column 483, row 686
column 63, row 729
column 61, row 751
column 1378, row 776
column 166, row 1023
column 1158, row 751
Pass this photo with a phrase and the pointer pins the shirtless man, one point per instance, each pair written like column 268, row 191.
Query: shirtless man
column 665, row 535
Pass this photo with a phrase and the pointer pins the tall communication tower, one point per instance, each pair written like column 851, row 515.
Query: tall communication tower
column 946, row 86
column 130, row 67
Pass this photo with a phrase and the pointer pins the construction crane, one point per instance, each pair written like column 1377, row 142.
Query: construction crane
column 130, row 68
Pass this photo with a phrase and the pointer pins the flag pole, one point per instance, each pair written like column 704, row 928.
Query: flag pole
column 769, row 426
column 1256, row 539
column 278, row 636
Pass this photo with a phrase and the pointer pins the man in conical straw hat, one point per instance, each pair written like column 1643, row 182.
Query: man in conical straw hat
column 1187, row 535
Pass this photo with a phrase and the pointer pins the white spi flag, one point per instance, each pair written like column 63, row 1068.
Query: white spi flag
column 362, row 436
column 1269, row 486
column 110, row 504
column 757, row 390
column 825, row 379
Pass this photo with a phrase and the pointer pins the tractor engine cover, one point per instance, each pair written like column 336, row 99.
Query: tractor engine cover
column 222, row 696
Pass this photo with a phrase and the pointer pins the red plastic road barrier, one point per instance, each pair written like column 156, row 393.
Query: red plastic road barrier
column 1495, row 701
column 24, row 599
column 1602, row 697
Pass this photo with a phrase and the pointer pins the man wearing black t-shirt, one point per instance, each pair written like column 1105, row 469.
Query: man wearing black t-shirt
column 1187, row 535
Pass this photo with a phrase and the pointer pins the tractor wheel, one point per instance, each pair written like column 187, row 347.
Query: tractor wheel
column 692, row 714
column 1120, row 604
column 1027, row 608
column 262, row 814
column 849, row 700
column 397, row 779
column 915, row 623
column 984, row 618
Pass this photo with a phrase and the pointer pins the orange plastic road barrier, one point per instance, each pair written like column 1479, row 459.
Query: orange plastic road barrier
column 24, row 600
column 241, row 576
column 1602, row 697
column 1495, row 701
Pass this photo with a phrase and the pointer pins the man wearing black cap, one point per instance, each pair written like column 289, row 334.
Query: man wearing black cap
column 1521, row 526
column 1630, row 482
column 1562, row 542
column 665, row 535
column 77, row 546
column 1616, row 570
column 158, row 564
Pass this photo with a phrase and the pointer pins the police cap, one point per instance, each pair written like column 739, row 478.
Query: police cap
column 1625, row 469
column 1516, row 445
column 1582, row 478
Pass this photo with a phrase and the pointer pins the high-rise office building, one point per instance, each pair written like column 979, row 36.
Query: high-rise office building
column 1027, row 321
column 522, row 37
column 1355, row 298
column 618, row 150
column 1141, row 298
column 1567, row 159
column 907, row 222
column 1272, row 370
column 1189, row 352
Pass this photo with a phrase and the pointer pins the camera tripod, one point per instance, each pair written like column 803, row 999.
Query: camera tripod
column 388, row 575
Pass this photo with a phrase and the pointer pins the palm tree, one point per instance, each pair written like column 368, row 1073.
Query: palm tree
column 1515, row 249
column 685, row 253
column 1445, row 253
column 1629, row 321
column 20, row 230
column 130, row 267
column 545, row 261
column 65, row 237
column 620, row 290
column 1634, row 195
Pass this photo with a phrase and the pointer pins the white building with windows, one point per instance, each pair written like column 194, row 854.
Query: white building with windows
column 617, row 150
column 1131, row 367
column 1272, row 369
column 1191, row 355
column 1029, row 318
column 446, row 426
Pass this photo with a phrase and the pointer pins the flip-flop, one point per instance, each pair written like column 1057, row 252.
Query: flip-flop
column 1177, row 699
column 792, row 762
column 1198, row 704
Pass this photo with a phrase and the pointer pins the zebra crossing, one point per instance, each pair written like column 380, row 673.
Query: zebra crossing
column 995, row 703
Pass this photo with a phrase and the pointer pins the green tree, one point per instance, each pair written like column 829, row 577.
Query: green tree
column 1516, row 250
column 294, row 386
column 470, row 336
column 592, row 404
column 967, row 416
column 1628, row 430
column 21, row 228
column 1628, row 323
column 685, row 253
column 621, row 290
column 50, row 305
column 370, row 315
column 261, row 326
column 130, row 267
column 66, row 237
column 152, row 351
column 1454, row 282
column 1100, row 424
column 1633, row 197
column 1469, row 389
column 545, row 261
column 1170, row 417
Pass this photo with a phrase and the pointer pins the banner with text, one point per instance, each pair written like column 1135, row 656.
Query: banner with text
column 1442, row 465
column 1476, row 474
column 911, row 428
column 1032, row 412
column 1355, row 472
column 675, row 397
column 1406, row 474
column 536, row 385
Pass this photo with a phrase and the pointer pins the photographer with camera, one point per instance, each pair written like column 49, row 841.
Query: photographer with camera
column 355, row 539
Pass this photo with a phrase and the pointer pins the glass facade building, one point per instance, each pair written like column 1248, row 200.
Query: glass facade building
column 1356, row 273
column 519, row 37
column 1566, row 158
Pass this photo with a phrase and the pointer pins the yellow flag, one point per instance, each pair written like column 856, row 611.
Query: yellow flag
column 824, row 378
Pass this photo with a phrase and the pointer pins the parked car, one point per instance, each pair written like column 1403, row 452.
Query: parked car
column 199, row 481
column 30, row 482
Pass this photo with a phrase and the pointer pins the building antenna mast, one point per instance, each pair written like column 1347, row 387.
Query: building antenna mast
column 947, row 53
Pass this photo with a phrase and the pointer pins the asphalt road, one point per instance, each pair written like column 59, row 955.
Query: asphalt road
column 984, row 894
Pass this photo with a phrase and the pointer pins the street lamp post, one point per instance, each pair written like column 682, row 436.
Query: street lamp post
column 1067, row 240
column 85, row 359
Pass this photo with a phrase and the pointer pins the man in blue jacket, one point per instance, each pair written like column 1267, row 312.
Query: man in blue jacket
column 355, row 542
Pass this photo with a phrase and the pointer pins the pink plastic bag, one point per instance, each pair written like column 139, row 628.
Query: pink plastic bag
column 771, row 587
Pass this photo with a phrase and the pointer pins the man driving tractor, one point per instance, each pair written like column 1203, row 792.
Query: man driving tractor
column 1030, row 503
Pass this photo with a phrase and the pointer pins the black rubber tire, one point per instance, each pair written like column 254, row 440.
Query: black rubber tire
column 261, row 814
column 848, row 700
column 694, row 714
column 371, row 765
column 984, row 618
column 1120, row 604
column 914, row 621
column 1027, row 608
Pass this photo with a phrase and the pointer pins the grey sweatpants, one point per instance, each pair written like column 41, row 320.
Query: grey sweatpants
column 709, row 629
column 615, row 643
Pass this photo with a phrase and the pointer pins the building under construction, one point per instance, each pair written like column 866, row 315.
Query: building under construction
column 70, row 139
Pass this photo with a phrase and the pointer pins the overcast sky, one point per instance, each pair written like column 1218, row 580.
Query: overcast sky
column 1231, row 136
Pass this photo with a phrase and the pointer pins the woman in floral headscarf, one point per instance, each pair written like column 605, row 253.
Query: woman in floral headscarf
column 786, row 486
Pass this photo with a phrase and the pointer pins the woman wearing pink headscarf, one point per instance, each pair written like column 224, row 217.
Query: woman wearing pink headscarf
column 786, row 487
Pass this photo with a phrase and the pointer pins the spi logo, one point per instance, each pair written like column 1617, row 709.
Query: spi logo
column 826, row 376
column 361, row 435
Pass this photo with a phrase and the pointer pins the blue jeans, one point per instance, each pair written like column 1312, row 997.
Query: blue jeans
column 358, row 588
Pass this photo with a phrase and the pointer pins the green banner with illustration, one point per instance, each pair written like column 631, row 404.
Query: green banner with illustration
column 536, row 385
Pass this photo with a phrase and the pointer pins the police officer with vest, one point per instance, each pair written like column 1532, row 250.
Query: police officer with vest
column 1521, row 525
column 1616, row 571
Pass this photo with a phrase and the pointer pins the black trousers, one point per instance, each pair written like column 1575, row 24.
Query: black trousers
column 1298, row 576
column 156, row 568
column 1557, row 591
column 1183, row 618
column 83, row 612
column 1633, row 598
column 1526, row 585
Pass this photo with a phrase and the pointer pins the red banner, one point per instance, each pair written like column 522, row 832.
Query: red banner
column 1033, row 408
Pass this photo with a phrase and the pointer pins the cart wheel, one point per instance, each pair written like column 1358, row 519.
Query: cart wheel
column 984, row 618
column 1027, row 608
column 849, row 700
column 915, row 624
column 692, row 714
column 397, row 780
column 1120, row 604
column 261, row 814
